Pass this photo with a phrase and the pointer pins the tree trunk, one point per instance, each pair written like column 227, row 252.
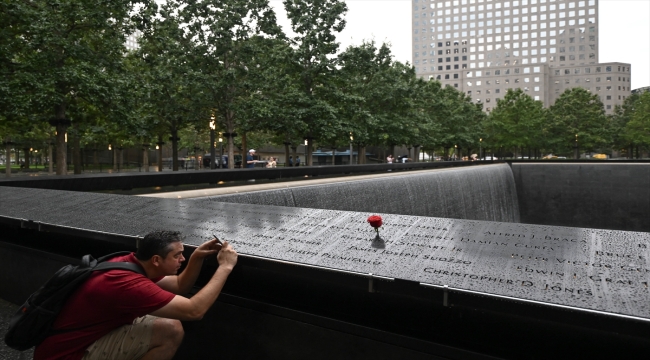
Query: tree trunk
column 363, row 154
column 308, row 153
column 114, row 158
column 286, row 154
column 416, row 153
column 27, row 158
column 174, row 149
column 160, row 158
column 244, row 148
column 392, row 150
column 294, row 154
column 333, row 155
column 121, row 159
column 359, row 155
column 95, row 158
column 50, row 162
column 197, row 163
column 61, row 150
column 76, row 154
column 630, row 152
column 8, row 158
column 145, row 158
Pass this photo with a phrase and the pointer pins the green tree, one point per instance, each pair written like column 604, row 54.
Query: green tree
column 620, row 118
column 70, row 50
column 369, row 99
column 315, row 23
column 172, row 82
column 578, row 118
column 225, row 51
column 637, row 130
column 516, row 122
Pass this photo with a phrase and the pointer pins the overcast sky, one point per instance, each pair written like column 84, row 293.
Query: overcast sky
column 624, row 30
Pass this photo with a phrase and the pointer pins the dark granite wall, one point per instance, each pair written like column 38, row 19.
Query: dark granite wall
column 603, row 196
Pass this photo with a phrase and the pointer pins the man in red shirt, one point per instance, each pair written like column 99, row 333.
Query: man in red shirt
column 119, row 314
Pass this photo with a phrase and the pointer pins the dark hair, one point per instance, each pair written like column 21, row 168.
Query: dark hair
column 157, row 243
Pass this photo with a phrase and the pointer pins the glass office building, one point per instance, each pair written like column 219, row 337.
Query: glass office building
column 484, row 47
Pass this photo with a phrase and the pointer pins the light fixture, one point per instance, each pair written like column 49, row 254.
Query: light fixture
column 306, row 142
column 66, row 137
column 157, row 147
column 109, row 147
column 220, row 139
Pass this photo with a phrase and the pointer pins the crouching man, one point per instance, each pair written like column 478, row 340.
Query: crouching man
column 119, row 314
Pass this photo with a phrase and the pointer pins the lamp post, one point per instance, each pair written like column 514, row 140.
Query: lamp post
column 145, row 156
column 306, row 144
column 576, row 152
column 480, row 149
column 159, row 145
column 220, row 150
column 456, row 152
column 213, row 151
column 351, row 140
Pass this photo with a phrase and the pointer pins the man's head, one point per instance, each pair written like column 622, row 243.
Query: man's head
column 251, row 151
column 159, row 243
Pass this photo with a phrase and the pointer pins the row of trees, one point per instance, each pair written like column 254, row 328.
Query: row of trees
column 577, row 121
column 68, row 80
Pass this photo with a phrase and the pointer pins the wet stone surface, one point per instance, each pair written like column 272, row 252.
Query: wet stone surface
column 602, row 270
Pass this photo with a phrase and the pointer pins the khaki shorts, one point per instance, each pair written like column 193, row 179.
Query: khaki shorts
column 126, row 342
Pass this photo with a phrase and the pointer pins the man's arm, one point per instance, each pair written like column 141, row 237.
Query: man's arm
column 181, row 284
column 194, row 308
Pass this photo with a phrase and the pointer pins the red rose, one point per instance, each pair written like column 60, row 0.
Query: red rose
column 375, row 221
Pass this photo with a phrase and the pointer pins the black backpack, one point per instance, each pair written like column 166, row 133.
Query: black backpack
column 32, row 323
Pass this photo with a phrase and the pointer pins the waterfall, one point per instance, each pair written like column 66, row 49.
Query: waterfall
column 484, row 192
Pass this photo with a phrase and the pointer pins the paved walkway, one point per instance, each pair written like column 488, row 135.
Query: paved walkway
column 41, row 172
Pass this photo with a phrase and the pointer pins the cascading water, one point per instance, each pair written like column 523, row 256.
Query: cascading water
column 475, row 193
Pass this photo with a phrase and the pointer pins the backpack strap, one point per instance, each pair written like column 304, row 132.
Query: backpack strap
column 110, row 256
column 104, row 266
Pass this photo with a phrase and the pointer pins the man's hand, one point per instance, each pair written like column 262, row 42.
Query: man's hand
column 227, row 257
column 208, row 248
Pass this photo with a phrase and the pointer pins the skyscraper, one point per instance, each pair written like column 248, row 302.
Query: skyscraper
column 485, row 47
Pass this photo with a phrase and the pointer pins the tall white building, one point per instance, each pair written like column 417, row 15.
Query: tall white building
column 131, row 43
column 484, row 47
